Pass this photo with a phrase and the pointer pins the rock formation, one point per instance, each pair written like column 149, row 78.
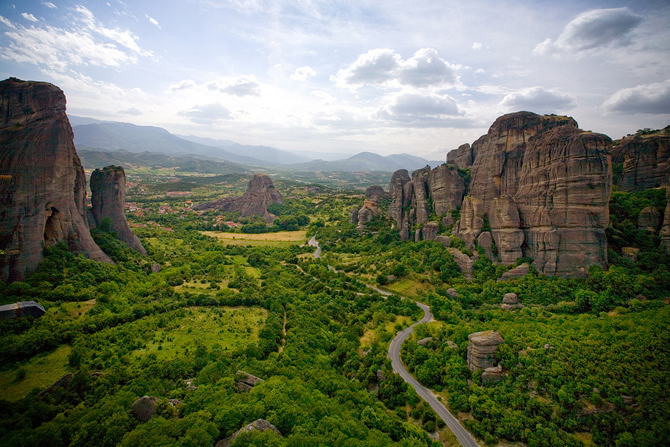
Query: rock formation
column 376, row 193
column 401, row 192
column 665, row 230
column 481, row 349
column 108, row 200
column 492, row 375
column 650, row 219
column 245, row 381
column 260, row 194
column 646, row 160
column 369, row 210
column 353, row 215
column 260, row 425
column 63, row 382
column 463, row 157
column 43, row 202
column 144, row 408
column 544, row 186
column 446, row 189
column 511, row 301
column 517, row 272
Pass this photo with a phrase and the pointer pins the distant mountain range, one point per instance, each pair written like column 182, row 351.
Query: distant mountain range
column 124, row 139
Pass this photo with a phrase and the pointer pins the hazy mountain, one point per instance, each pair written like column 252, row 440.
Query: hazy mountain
column 276, row 156
column 81, row 120
column 367, row 161
column 114, row 136
column 92, row 159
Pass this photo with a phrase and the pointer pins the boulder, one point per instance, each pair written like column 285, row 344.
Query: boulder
column 481, row 349
column 517, row 272
column 429, row 231
column 650, row 219
column 380, row 376
column 63, row 382
column 108, row 201
column 245, row 381
column 452, row 345
column 463, row 157
column 492, row 375
column 144, row 408
column 448, row 220
column 42, row 202
column 452, row 293
column 260, row 425
column 260, row 194
column 424, row 341
column 510, row 298
column 646, row 161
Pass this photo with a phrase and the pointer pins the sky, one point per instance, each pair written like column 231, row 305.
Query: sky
column 418, row 77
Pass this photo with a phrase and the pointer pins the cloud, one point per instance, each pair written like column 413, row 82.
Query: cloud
column 29, row 17
column 7, row 23
column 242, row 86
column 152, row 20
column 594, row 29
column 537, row 99
column 381, row 66
column 206, row 114
column 649, row 98
column 302, row 73
column 131, row 111
column 58, row 48
column 50, row 5
column 181, row 85
column 477, row 46
column 421, row 110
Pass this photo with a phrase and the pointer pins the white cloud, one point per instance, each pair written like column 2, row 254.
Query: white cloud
column 302, row 73
column 421, row 110
column 381, row 66
column 206, row 114
column 50, row 5
column 58, row 48
column 477, row 46
column 537, row 99
column 133, row 111
column 242, row 86
column 649, row 98
column 152, row 20
column 7, row 23
column 29, row 17
column 593, row 29
column 181, row 85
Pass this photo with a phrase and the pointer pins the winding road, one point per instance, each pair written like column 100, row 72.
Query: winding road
column 463, row 436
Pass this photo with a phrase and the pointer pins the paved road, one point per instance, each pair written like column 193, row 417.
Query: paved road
column 464, row 437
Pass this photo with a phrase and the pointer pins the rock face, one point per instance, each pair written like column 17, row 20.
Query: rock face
column 376, row 193
column 401, row 192
column 650, row 219
column 144, row 408
column 108, row 200
column 511, row 301
column 517, row 272
column 544, row 186
column 260, row 425
column 665, row 230
column 260, row 194
column 246, row 381
column 646, row 160
column 463, row 157
column 481, row 349
column 353, row 215
column 369, row 210
column 43, row 202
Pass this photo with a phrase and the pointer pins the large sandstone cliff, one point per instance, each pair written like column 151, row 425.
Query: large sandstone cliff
column 43, row 201
column 645, row 159
column 544, row 185
column 108, row 200
column 260, row 194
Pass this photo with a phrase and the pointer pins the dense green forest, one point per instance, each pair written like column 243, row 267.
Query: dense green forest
column 585, row 361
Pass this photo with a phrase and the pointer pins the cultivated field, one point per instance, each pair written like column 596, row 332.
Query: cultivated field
column 280, row 239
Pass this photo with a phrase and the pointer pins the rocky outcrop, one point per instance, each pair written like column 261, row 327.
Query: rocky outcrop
column 492, row 375
column 446, row 189
column 419, row 201
column 260, row 425
column 429, row 231
column 401, row 192
column 517, row 272
column 511, row 301
column 144, row 408
column 108, row 200
column 63, row 382
column 481, row 349
column 353, row 215
column 43, row 202
column 646, row 160
column 376, row 193
column 463, row 157
column 544, row 185
column 369, row 210
column 650, row 219
column 245, row 381
column 665, row 230
column 260, row 194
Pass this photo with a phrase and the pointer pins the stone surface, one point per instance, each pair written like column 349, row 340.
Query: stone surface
column 245, row 381
column 463, row 157
column 492, row 375
column 380, row 376
column 446, row 189
column 63, row 382
column 144, row 408
column 260, row 194
column 510, row 298
column 485, row 240
column 369, row 210
column 665, row 230
column 650, row 219
column 646, row 161
column 420, row 198
column 353, row 215
column 481, row 349
column 108, row 200
column 517, row 272
column 452, row 293
column 429, row 231
column 544, row 185
column 400, row 192
column 424, row 341
column 464, row 262
column 376, row 193
column 452, row 345
column 260, row 425
column 43, row 202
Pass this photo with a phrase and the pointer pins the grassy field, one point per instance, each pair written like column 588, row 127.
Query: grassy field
column 280, row 239
column 372, row 336
column 408, row 287
column 40, row 372
column 226, row 328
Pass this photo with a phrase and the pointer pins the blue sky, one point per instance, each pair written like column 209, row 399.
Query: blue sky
column 420, row 77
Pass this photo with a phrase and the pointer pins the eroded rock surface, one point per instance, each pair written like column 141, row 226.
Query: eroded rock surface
column 401, row 192
column 646, row 161
column 463, row 157
column 144, row 408
column 245, row 381
column 650, row 219
column 665, row 230
column 260, row 194
column 108, row 200
column 481, row 349
column 260, row 425
column 43, row 202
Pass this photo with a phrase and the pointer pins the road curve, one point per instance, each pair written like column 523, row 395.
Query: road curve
column 464, row 437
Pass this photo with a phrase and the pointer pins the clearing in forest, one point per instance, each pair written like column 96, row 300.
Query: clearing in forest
column 279, row 239
column 39, row 372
